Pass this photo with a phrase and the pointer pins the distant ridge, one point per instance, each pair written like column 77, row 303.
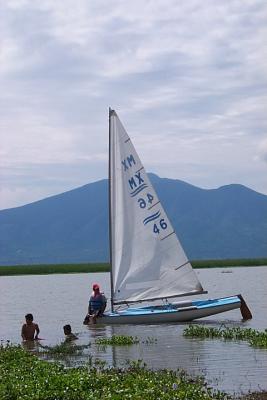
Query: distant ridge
column 228, row 222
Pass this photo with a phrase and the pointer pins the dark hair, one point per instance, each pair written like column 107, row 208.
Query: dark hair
column 67, row 327
column 29, row 316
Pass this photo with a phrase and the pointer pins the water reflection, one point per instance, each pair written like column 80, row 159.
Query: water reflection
column 31, row 345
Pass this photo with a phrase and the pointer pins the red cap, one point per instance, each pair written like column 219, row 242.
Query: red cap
column 95, row 286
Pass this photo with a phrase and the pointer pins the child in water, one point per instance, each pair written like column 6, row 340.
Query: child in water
column 68, row 334
column 30, row 330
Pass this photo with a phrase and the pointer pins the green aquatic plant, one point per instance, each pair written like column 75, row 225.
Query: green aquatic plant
column 122, row 340
column 150, row 340
column 64, row 348
column 118, row 340
column 25, row 377
column 259, row 340
column 135, row 364
column 252, row 336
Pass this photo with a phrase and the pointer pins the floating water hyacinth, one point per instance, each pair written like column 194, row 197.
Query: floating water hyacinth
column 253, row 337
column 64, row 348
column 23, row 376
column 119, row 340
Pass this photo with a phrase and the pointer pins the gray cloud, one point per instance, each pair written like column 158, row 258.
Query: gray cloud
column 187, row 78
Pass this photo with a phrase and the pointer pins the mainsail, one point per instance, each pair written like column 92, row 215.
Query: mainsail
column 148, row 261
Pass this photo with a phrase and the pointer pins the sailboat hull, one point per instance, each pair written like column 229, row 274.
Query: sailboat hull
column 171, row 313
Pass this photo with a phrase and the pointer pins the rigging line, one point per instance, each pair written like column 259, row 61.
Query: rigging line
column 187, row 262
column 168, row 236
column 127, row 140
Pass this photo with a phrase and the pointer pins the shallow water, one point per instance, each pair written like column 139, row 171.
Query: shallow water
column 56, row 300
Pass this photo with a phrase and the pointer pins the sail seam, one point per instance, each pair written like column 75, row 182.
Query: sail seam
column 168, row 235
column 187, row 262
column 154, row 205
column 140, row 169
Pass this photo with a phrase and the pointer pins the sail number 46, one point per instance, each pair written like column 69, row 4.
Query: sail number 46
column 143, row 202
column 162, row 225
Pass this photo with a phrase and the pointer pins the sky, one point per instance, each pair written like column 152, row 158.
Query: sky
column 187, row 78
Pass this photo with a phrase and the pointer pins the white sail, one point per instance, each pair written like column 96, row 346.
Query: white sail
column 148, row 261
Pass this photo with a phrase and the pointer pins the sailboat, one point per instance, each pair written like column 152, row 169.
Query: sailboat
column 148, row 263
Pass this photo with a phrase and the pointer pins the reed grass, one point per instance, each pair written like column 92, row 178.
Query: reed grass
column 45, row 269
column 235, row 262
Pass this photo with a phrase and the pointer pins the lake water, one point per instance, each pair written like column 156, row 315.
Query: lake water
column 56, row 300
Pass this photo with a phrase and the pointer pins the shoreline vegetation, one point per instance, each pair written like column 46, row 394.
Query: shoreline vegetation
column 24, row 375
column 46, row 269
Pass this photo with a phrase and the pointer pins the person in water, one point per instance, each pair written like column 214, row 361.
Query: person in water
column 97, row 304
column 30, row 330
column 68, row 333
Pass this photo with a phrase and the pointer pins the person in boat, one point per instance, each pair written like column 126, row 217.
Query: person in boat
column 69, row 336
column 30, row 330
column 97, row 304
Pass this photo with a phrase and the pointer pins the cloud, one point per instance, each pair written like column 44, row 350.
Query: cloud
column 187, row 78
column 263, row 150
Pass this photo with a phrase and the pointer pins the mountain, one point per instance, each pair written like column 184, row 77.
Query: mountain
column 228, row 222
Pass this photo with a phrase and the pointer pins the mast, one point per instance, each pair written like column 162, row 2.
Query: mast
column 109, row 203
